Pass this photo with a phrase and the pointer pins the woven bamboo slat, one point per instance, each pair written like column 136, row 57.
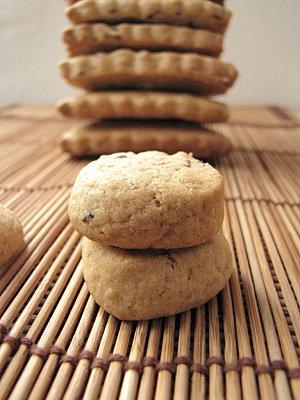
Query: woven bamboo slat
column 56, row 343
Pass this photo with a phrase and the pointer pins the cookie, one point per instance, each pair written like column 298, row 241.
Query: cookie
column 92, row 38
column 195, row 13
column 11, row 237
column 108, row 137
column 143, row 105
column 144, row 284
column 128, row 69
column 147, row 200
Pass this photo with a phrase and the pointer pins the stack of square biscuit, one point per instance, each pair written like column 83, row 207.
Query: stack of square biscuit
column 151, row 222
column 148, row 69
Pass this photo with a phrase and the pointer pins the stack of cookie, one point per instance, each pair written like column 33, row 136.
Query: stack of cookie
column 153, row 63
column 151, row 223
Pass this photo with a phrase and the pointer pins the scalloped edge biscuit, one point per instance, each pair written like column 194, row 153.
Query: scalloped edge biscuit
column 143, row 105
column 147, row 200
column 121, row 136
column 92, row 38
column 128, row 69
column 214, row 1
column 138, row 285
column 195, row 13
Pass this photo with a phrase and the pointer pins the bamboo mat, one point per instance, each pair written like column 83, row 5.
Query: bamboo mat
column 56, row 343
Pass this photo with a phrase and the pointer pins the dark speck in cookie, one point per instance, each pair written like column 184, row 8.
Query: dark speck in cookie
column 187, row 163
column 121, row 156
column 87, row 217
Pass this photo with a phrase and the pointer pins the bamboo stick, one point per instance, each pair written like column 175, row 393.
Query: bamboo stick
column 131, row 378
column 164, row 378
column 181, row 387
column 113, row 377
column 95, row 382
column 147, row 385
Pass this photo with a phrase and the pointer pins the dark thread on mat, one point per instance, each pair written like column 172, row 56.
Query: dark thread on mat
column 279, row 112
column 39, row 351
column 149, row 361
column 246, row 362
column 263, row 369
column 134, row 365
column 13, row 341
column 100, row 362
column 68, row 358
column 56, row 350
column 117, row 357
column 182, row 360
column 198, row 367
column 278, row 364
column 294, row 373
column 231, row 367
column 166, row 366
column 26, row 341
column 215, row 360
column 86, row 355
column 268, row 201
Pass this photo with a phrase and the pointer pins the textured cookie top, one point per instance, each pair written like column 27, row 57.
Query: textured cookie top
column 151, row 169
column 149, row 199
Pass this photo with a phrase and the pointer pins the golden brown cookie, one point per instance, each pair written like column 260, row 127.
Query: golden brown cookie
column 108, row 137
column 144, row 284
column 11, row 237
column 195, row 13
column 143, row 105
column 128, row 69
column 92, row 38
column 149, row 199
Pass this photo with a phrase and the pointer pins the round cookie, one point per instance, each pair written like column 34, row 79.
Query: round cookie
column 147, row 200
column 144, row 284
column 11, row 236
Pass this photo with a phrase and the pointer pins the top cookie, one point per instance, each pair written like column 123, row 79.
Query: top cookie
column 195, row 13
column 147, row 200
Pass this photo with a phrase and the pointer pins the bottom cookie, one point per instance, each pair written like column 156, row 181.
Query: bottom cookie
column 144, row 284
column 137, row 136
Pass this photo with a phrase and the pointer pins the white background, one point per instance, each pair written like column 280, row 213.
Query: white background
column 263, row 42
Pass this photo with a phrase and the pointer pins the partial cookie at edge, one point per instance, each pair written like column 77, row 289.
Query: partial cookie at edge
column 11, row 237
